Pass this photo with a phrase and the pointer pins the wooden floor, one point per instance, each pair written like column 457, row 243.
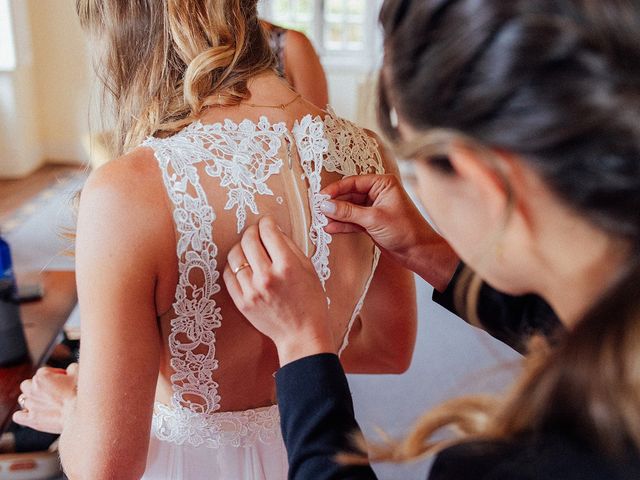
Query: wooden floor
column 15, row 193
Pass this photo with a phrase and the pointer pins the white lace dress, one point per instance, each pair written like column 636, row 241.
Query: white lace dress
column 192, row 439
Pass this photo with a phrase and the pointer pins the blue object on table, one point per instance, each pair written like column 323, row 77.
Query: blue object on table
column 13, row 347
column 6, row 265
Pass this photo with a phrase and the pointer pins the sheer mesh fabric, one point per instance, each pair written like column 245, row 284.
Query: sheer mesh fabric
column 216, row 388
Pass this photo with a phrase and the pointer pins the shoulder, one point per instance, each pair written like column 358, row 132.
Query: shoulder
column 363, row 147
column 127, row 178
column 298, row 44
column 121, row 200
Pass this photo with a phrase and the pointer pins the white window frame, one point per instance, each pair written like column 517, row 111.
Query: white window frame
column 8, row 61
column 343, row 60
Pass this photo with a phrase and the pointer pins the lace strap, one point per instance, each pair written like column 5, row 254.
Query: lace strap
column 312, row 147
column 352, row 151
column 192, row 337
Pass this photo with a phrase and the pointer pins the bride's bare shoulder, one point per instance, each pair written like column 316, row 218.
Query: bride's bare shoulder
column 127, row 191
column 129, row 175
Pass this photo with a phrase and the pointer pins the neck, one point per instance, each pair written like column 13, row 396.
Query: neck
column 579, row 274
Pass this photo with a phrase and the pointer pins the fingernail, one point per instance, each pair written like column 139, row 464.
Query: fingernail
column 328, row 207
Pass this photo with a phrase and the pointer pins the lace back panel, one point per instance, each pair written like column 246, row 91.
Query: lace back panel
column 243, row 158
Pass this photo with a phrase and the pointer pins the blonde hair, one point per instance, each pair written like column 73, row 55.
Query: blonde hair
column 163, row 61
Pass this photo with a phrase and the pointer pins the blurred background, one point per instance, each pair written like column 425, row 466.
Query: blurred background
column 47, row 86
column 50, row 137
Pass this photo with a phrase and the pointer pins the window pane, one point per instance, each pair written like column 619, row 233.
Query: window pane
column 296, row 14
column 344, row 25
column 341, row 29
column 7, row 50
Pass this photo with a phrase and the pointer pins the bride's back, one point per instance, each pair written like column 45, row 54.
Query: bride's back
column 222, row 174
column 155, row 227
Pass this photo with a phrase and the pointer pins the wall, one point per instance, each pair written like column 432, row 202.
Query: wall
column 44, row 102
column 20, row 151
column 63, row 79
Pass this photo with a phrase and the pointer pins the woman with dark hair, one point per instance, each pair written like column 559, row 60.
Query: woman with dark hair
column 524, row 122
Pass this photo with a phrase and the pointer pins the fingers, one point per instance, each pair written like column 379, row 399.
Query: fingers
column 21, row 417
column 233, row 286
column 254, row 251
column 357, row 198
column 279, row 247
column 237, row 261
column 72, row 370
column 347, row 212
column 354, row 184
column 293, row 248
column 26, row 386
column 42, row 398
column 334, row 228
column 238, row 272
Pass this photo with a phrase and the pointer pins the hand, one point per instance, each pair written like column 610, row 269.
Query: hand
column 46, row 398
column 380, row 206
column 276, row 288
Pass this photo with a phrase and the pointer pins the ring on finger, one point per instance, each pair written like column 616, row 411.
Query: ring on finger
column 22, row 399
column 241, row 267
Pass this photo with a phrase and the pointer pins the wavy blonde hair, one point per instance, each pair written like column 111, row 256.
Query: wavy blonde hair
column 163, row 61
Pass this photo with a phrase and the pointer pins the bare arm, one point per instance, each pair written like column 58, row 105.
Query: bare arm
column 106, row 430
column 384, row 335
column 304, row 70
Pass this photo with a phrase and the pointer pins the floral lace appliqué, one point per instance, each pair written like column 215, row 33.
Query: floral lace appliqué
column 352, row 151
column 313, row 146
column 243, row 157
column 237, row 429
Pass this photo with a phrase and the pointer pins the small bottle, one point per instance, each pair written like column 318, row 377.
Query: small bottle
column 13, row 347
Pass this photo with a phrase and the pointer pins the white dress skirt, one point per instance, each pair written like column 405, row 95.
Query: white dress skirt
column 235, row 446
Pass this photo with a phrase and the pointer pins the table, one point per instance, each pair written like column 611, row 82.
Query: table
column 43, row 321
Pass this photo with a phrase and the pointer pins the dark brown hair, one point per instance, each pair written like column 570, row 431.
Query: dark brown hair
column 558, row 83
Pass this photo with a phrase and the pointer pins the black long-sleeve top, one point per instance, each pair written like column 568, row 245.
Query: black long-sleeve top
column 318, row 422
column 510, row 319
column 318, row 419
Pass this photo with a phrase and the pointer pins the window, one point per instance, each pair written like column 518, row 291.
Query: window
column 339, row 29
column 7, row 49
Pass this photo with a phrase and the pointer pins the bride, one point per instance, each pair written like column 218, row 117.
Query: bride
column 173, row 380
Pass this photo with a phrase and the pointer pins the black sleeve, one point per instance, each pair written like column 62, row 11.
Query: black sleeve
column 510, row 319
column 317, row 419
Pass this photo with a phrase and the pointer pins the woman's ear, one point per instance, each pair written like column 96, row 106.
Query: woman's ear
column 490, row 182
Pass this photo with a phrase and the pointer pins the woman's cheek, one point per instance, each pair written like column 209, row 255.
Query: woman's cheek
column 451, row 210
column 434, row 194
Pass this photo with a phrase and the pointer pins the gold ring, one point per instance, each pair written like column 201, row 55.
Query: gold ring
column 241, row 267
column 21, row 401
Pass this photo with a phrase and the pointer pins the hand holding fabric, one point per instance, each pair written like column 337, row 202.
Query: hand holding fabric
column 276, row 288
column 381, row 207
